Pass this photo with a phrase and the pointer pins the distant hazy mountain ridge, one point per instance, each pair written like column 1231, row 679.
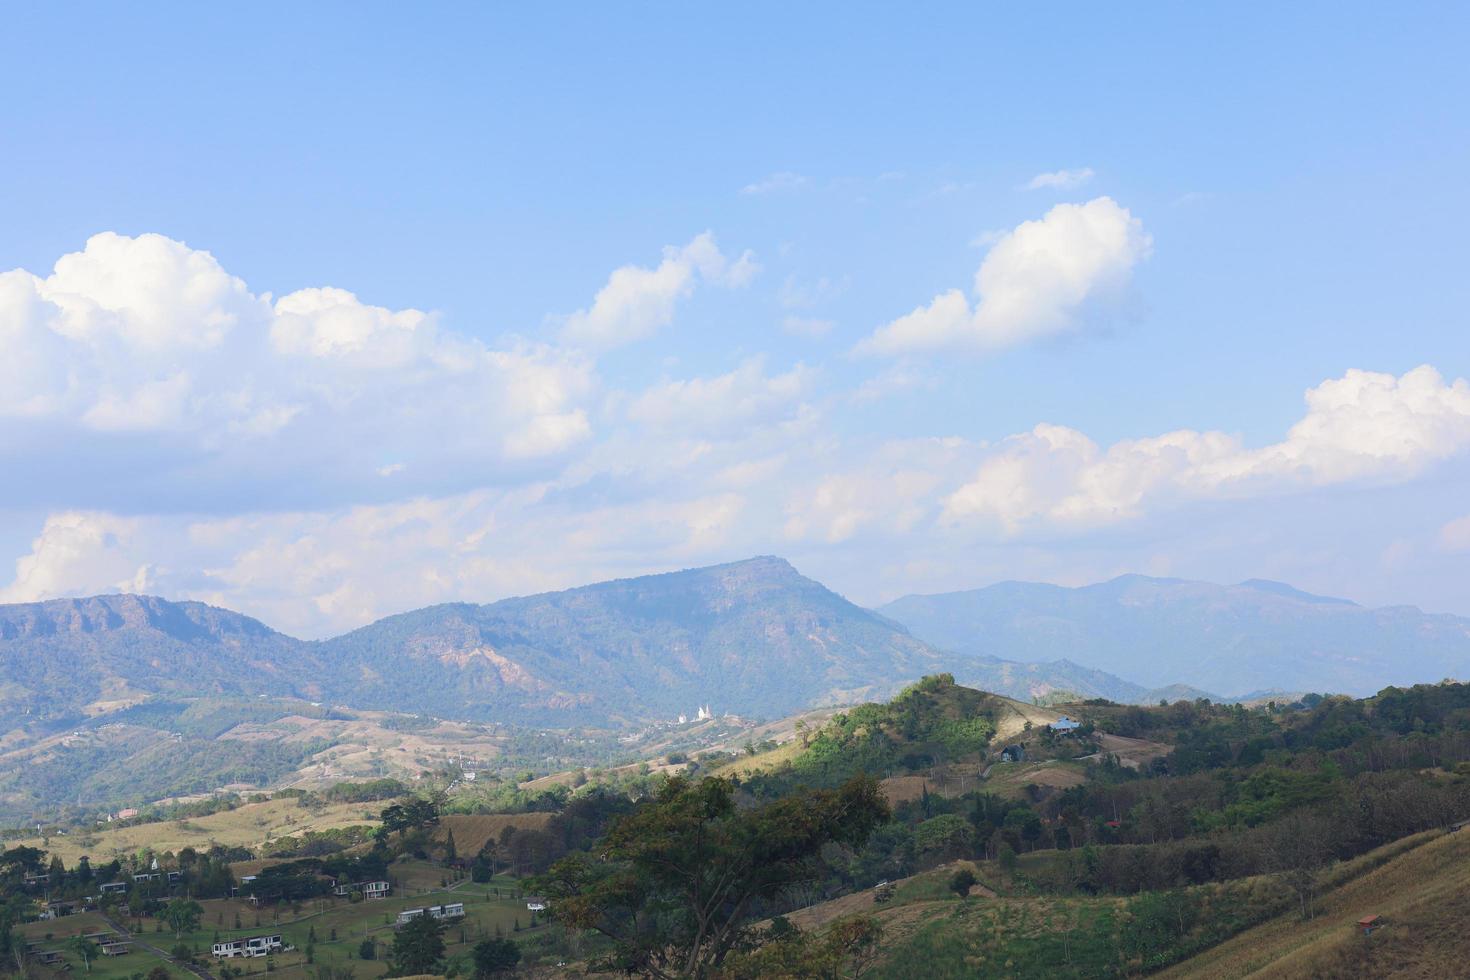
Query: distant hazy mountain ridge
column 1225, row 638
column 753, row 637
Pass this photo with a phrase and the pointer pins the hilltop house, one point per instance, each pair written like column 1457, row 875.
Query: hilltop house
column 1064, row 725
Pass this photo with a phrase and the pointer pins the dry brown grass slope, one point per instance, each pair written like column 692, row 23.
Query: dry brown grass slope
column 246, row 826
column 1424, row 896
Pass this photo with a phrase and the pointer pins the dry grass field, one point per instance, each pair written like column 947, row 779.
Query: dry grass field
column 473, row 830
column 1423, row 895
column 245, row 826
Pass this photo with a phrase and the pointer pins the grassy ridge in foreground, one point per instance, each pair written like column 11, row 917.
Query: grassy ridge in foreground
column 1424, row 896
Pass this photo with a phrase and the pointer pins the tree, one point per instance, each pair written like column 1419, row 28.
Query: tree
column 368, row 950
column 1297, row 849
column 418, row 947
column 84, row 948
column 183, row 915
column 159, row 973
column 675, row 882
column 494, row 956
column 1006, row 856
column 961, row 882
column 947, row 835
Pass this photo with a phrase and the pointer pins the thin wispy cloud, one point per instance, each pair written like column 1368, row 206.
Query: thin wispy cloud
column 777, row 182
column 1064, row 180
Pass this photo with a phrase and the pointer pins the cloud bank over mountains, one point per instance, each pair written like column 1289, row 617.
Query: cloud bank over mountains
column 320, row 461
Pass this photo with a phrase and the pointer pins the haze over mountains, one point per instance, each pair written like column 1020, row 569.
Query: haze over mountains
column 1231, row 639
column 754, row 638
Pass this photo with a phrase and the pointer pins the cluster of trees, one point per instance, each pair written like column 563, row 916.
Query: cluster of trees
column 418, row 949
column 675, row 884
column 929, row 723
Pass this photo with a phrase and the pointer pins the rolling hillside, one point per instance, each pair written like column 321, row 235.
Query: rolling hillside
column 1224, row 638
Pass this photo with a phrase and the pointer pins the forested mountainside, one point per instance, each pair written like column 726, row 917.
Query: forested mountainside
column 753, row 637
column 72, row 657
column 1229, row 639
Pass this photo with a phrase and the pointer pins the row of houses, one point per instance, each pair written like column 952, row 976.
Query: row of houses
column 253, row 946
column 451, row 910
column 109, row 943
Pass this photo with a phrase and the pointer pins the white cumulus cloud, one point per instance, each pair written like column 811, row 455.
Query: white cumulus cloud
column 148, row 340
column 1364, row 426
column 638, row 301
column 1035, row 281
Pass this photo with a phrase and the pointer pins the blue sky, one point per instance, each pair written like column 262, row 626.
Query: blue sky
column 1247, row 202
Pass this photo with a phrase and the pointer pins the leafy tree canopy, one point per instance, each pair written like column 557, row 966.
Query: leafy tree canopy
column 675, row 883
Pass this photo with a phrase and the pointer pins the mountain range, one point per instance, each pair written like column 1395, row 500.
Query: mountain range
column 1227, row 638
column 753, row 638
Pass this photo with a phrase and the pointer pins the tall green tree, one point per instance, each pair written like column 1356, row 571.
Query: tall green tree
column 418, row 947
column 84, row 948
column 676, row 883
column 496, row 956
column 182, row 915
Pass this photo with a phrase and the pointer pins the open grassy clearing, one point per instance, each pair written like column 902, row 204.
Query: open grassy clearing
column 61, row 931
column 249, row 825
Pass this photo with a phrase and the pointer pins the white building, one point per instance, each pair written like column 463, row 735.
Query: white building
column 451, row 910
column 254, row 946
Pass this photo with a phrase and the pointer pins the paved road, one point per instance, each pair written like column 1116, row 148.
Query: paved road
column 198, row 971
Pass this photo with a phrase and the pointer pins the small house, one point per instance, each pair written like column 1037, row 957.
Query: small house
column 536, row 903
column 47, row 957
column 1013, row 753
column 1065, row 725
column 376, row 889
column 114, row 888
column 120, row 947
column 253, row 946
column 1370, row 922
